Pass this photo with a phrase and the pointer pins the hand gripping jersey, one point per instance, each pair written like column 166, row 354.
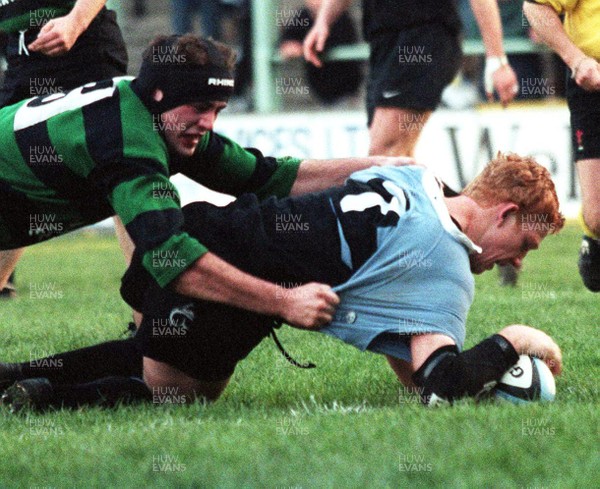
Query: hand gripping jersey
column 69, row 160
column 418, row 280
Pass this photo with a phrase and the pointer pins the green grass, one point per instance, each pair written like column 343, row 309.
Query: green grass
column 345, row 424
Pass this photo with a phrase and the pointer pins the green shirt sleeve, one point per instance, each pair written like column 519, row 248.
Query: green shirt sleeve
column 149, row 207
column 223, row 165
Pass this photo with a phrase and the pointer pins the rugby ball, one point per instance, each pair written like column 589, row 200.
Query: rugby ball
column 528, row 380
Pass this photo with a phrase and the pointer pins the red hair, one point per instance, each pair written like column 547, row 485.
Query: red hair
column 521, row 180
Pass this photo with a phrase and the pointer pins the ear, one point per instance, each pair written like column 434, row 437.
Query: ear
column 158, row 95
column 506, row 210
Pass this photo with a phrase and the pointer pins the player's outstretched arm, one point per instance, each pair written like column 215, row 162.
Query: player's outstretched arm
column 317, row 175
column 547, row 25
column 442, row 373
column 498, row 74
column 211, row 278
column 58, row 35
column 314, row 42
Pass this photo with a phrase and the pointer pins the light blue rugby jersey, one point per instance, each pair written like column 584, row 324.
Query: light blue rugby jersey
column 418, row 280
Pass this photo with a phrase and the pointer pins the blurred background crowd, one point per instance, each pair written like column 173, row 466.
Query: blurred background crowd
column 340, row 84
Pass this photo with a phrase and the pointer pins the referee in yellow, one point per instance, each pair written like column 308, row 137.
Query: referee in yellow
column 577, row 41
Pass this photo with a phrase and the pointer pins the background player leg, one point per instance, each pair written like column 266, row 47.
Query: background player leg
column 394, row 132
column 125, row 242
column 589, row 255
column 8, row 262
column 9, row 291
column 589, row 178
column 127, row 247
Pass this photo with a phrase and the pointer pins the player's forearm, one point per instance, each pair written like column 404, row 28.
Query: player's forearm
column 548, row 27
column 213, row 279
column 317, row 175
column 488, row 20
column 84, row 11
column 330, row 10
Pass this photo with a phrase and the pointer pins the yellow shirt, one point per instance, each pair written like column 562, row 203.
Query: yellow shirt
column 582, row 23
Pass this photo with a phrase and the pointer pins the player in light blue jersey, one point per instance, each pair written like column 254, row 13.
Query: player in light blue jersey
column 399, row 255
column 418, row 280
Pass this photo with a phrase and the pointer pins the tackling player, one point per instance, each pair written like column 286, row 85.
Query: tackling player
column 72, row 159
column 399, row 254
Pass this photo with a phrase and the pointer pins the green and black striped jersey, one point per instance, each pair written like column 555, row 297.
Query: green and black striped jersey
column 69, row 160
column 20, row 15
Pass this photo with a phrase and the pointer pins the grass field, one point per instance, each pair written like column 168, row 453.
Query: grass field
column 345, row 424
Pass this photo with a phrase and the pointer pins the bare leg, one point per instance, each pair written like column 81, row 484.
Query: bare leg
column 159, row 375
column 589, row 252
column 8, row 262
column 127, row 247
column 395, row 132
column 589, row 180
column 125, row 242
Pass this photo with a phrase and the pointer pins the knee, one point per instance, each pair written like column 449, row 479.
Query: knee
column 391, row 147
column 591, row 216
column 166, row 391
column 167, row 384
column 395, row 132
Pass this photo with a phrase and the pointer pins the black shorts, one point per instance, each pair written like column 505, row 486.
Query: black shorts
column 25, row 222
column 585, row 121
column 203, row 339
column 410, row 69
column 98, row 54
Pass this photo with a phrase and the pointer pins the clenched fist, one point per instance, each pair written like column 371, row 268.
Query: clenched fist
column 308, row 306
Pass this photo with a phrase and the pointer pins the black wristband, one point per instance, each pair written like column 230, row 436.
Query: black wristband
column 448, row 375
column 432, row 361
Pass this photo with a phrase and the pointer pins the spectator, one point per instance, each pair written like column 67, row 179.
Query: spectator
column 183, row 13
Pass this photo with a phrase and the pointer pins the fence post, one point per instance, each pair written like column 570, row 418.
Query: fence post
column 264, row 39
